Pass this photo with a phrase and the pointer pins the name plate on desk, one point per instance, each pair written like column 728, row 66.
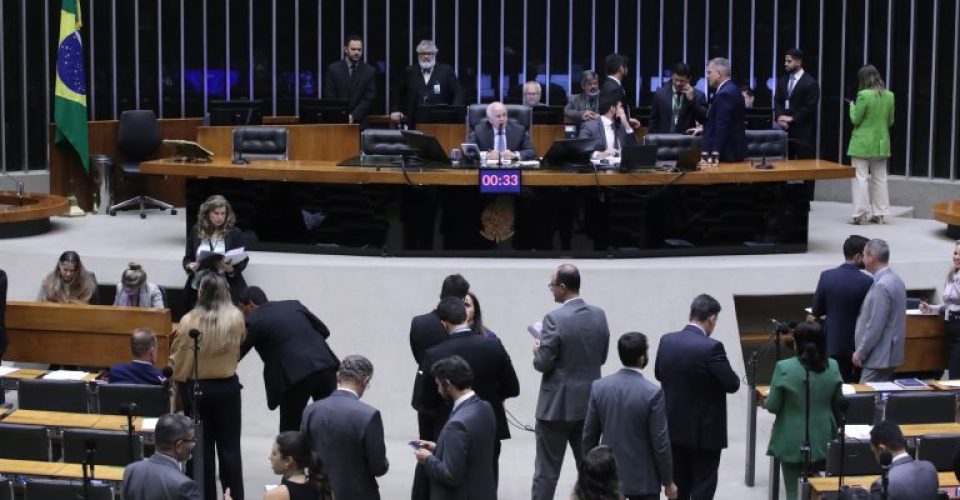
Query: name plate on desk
column 500, row 180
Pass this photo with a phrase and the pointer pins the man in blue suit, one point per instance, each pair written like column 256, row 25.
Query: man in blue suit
column 724, row 131
column 696, row 376
column 837, row 301
column 143, row 345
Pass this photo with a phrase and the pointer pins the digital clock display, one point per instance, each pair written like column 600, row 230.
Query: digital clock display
column 500, row 180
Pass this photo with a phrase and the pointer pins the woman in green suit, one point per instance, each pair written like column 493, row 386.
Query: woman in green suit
column 872, row 117
column 787, row 401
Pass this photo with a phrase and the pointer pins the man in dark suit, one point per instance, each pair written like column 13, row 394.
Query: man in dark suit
column 494, row 377
column 616, row 70
column 352, row 80
column 159, row 477
column 460, row 463
column 348, row 433
column 297, row 362
column 143, row 346
column 611, row 132
column 795, row 106
column 629, row 412
column 836, row 302
column 696, row 376
column 724, row 131
column 677, row 107
column 500, row 138
column 906, row 477
column 571, row 348
column 426, row 83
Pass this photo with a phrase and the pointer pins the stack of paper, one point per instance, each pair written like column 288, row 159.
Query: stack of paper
column 66, row 375
column 884, row 386
column 148, row 424
column 7, row 370
column 860, row 432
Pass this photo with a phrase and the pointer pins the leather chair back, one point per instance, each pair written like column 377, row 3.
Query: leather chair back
column 113, row 447
column 53, row 395
column 260, row 143
column 519, row 113
column 859, row 459
column 383, row 142
column 151, row 400
column 138, row 135
column 669, row 146
column 938, row 449
column 59, row 489
column 770, row 144
column 862, row 409
column 25, row 442
column 921, row 408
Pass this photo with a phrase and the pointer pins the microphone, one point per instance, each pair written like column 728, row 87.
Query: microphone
column 91, row 447
column 128, row 409
column 844, row 405
column 194, row 334
column 19, row 186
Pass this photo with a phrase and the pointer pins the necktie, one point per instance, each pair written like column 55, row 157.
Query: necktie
column 501, row 140
column 790, row 84
column 353, row 69
column 677, row 104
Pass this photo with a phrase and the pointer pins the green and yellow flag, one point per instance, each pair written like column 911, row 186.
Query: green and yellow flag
column 70, row 96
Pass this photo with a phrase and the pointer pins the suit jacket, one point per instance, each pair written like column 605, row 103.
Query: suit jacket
column 573, row 347
column 611, row 87
column 882, row 322
column 661, row 111
column 909, row 479
column 593, row 129
column 579, row 103
column 135, row 373
column 696, row 377
column 150, row 296
column 3, row 312
column 348, row 435
column 461, row 467
column 426, row 331
column 234, row 239
column 803, row 107
column 158, row 478
column 518, row 139
column 292, row 343
column 872, row 117
column 494, row 378
column 724, row 130
column 359, row 90
column 629, row 412
column 412, row 92
column 787, row 401
column 839, row 295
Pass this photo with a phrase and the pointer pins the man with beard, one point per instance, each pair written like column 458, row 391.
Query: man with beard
column 425, row 83
column 352, row 80
column 585, row 106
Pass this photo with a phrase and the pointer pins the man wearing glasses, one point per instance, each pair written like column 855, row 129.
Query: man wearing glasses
column 425, row 83
column 159, row 477
column 570, row 349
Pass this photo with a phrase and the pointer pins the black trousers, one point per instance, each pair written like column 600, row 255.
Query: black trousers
column 695, row 472
column 219, row 410
column 317, row 385
column 849, row 372
column 952, row 327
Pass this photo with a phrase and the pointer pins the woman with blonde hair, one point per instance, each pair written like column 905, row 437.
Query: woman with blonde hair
column 215, row 231
column 869, row 150
column 135, row 291
column 950, row 309
column 69, row 282
column 219, row 329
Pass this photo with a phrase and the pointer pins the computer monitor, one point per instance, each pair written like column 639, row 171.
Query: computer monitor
column 758, row 118
column 324, row 111
column 441, row 113
column 427, row 147
column 547, row 115
column 235, row 112
column 569, row 153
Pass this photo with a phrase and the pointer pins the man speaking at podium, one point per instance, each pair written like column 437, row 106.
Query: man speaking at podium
column 427, row 82
column 501, row 139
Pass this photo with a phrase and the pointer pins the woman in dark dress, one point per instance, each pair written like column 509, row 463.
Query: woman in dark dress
column 215, row 231
column 300, row 468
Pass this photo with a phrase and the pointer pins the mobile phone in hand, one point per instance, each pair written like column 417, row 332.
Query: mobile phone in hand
column 414, row 444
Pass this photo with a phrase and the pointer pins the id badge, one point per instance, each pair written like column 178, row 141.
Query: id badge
column 436, row 89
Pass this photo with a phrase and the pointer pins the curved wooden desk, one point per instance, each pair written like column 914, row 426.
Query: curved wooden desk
column 948, row 212
column 28, row 215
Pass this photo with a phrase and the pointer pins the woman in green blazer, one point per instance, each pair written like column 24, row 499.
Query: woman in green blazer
column 787, row 401
column 872, row 117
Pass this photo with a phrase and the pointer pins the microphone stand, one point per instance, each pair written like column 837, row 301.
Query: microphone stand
column 804, row 486
column 885, row 460
column 198, row 457
column 130, row 410
column 19, row 186
column 89, row 459
column 844, row 404
column 772, row 340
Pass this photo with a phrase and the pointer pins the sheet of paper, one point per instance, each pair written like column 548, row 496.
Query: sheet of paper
column 848, row 389
column 884, row 386
column 861, row 432
column 918, row 312
column 148, row 424
column 535, row 329
column 7, row 370
column 66, row 375
column 949, row 383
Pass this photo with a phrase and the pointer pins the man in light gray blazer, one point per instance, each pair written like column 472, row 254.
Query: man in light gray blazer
column 880, row 330
column 907, row 479
column 629, row 412
column 460, row 463
column 570, row 351
column 348, row 433
column 159, row 477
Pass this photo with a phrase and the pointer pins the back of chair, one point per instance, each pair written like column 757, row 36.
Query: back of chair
column 25, row 442
column 669, row 146
column 862, row 409
column 113, row 447
column 260, row 143
column 519, row 113
column 769, row 144
column 921, row 407
column 138, row 135
column 58, row 489
column 938, row 449
column 6, row 489
column 382, row 142
column 151, row 400
column 53, row 395
column 859, row 460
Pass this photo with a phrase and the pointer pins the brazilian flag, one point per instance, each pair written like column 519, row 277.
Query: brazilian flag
column 70, row 95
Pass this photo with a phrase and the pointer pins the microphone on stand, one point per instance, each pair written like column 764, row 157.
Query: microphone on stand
column 90, row 458
column 19, row 186
column 844, row 406
column 886, row 458
column 195, row 335
column 130, row 410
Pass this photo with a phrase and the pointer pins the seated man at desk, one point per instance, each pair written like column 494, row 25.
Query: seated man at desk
column 499, row 138
column 906, row 478
column 143, row 345
column 612, row 131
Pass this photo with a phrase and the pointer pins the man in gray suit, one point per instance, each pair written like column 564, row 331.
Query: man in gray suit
column 460, row 463
column 501, row 139
column 583, row 107
column 159, row 477
column 569, row 352
column 348, row 433
column 879, row 335
column 908, row 479
column 629, row 412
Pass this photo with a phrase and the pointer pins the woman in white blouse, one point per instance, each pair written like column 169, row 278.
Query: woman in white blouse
column 951, row 313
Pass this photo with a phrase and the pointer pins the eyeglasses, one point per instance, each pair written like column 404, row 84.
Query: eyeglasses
column 551, row 285
column 194, row 441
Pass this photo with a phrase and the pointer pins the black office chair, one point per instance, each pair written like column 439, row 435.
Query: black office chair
column 151, row 400
column 859, row 460
column 519, row 113
column 383, row 142
column 58, row 489
column 113, row 447
column 769, row 144
column 138, row 137
column 6, row 489
column 260, row 143
column 938, row 449
column 669, row 146
column 862, row 409
column 921, row 407
column 53, row 395
column 25, row 442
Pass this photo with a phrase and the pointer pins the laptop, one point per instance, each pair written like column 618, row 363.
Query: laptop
column 569, row 154
column 638, row 158
column 427, row 147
